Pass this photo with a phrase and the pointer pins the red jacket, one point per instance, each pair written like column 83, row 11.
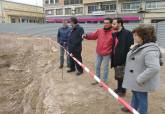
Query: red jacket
column 104, row 41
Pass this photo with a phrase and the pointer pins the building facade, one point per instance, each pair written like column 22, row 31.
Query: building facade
column 131, row 10
column 11, row 12
column 63, row 7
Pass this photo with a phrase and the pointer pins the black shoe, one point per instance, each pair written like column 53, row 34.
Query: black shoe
column 116, row 90
column 120, row 92
column 79, row 73
column 124, row 109
column 71, row 70
column 61, row 66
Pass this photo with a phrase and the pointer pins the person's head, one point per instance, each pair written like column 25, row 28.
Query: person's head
column 65, row 23
column 144, row 34
column 73, row 21
column 107, row 23
column 117, row 23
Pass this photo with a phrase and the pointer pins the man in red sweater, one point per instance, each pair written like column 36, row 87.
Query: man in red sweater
column 104, row 47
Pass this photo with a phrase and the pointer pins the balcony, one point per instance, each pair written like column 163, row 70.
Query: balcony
column 155, row 5
column 106, row 7
column 130, row 7
column 94, row 1
column 109, row 7
column 71, row 2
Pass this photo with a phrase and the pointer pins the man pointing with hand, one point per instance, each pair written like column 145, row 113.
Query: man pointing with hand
column 104, row 47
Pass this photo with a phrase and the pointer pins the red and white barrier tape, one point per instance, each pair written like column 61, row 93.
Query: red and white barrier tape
column 106, row 88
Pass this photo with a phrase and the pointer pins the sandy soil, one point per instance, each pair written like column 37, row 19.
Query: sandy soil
column 31, row 82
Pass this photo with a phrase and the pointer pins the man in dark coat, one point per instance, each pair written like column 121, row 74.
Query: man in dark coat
column 122, row 40
column 75, row 45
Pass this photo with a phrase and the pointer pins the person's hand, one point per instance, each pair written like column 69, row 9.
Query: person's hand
column 84, row 36
column 140, row 84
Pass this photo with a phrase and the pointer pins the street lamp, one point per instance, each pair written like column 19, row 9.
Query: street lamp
column 143, row 14
column 142, row 11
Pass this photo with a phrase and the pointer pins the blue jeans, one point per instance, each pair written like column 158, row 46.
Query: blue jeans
column 106, row 61
column 140, row 101
column 62, row 53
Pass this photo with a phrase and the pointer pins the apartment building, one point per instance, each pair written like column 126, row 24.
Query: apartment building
column 63, row 7
column 131, row 10
column 12, row 12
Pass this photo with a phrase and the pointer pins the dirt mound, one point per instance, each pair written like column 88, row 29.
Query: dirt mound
column 24, row 62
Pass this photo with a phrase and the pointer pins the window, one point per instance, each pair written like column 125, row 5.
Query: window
column 51, row 1
column 79, row 10
column 150, row 5
column 109, row 7
column 46, row 1
column 92, row 8
column 77, row 1
column 59, row 12
column 131, row 6
column 136, row 0
column 13, row 20
column 56, row 1
column 72, row 1
column 68, row 11
column 155, row 5
column 132, row 0
column 49, row 12
column 67, row 2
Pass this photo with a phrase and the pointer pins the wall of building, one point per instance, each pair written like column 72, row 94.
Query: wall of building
column 19, row 13
column 154, row 10
column 63, row 9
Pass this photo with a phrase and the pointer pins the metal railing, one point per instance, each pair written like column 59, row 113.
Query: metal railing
column 155, row 5
column 131, row 6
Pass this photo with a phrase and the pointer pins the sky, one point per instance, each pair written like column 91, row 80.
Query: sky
column 31, row 2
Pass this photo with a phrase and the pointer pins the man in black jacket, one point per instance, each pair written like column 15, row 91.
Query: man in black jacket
column 122, row 40
column 75, row 45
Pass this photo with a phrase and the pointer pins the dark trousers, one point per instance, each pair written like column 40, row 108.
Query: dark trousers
column 73, row 64
column 119, row 75
column 119, row 84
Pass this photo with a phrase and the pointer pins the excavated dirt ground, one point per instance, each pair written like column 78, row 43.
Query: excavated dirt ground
column 31, row 83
